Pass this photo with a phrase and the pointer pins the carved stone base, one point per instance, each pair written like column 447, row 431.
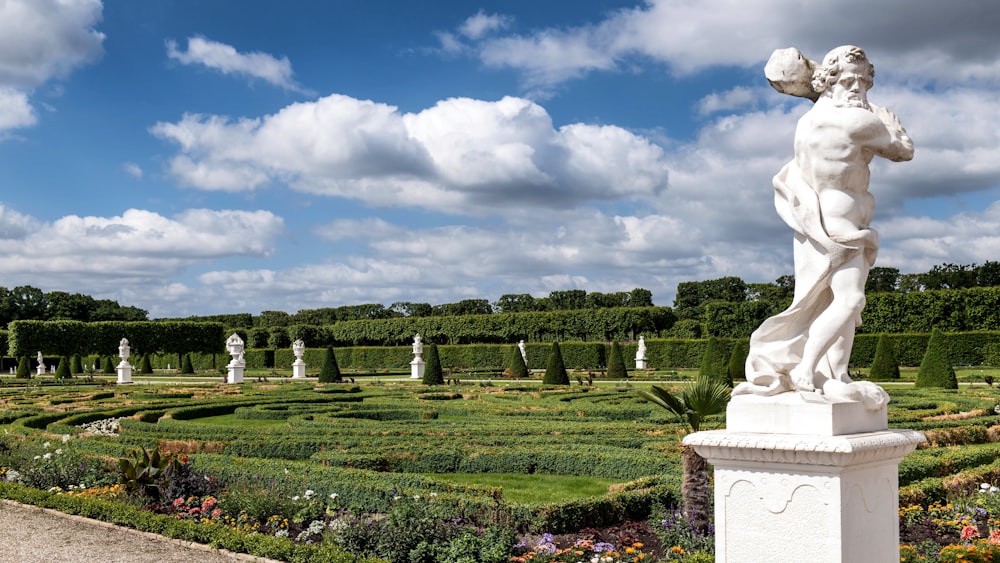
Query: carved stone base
column 298, row 369
column 802, row 413
column 640, row 363
column 417, row 369
column 235, row 373
column 124, row 373
column 790, row 498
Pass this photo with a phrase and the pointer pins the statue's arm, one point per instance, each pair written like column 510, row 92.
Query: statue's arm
column 899, row 147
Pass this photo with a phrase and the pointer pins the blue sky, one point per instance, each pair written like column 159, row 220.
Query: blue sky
column 194, row 157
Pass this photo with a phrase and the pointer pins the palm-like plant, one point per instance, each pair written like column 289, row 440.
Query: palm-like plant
column 695, row 403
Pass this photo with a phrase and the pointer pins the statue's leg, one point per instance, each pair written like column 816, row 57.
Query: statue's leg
column 832, row 333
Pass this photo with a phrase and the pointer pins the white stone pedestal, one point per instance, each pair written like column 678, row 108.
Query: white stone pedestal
column 40, row 370
column 124, row 372
column 417, row 369
column 298, row 369
column 640, row 363
column 801, row 479
column 235, row 374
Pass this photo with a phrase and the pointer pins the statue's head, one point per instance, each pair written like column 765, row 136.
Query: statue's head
column 840, row 68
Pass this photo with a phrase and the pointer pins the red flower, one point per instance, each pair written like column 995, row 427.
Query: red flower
column 969, row 532
column 184, row 459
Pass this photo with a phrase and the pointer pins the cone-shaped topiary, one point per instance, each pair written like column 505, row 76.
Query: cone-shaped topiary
column 76, row 364
column 555, row 370
column 517, row 367
column 433, row 374
column 330, row 372
column 62, row 372
column 109, row 365
column 186, row 367
column 738, row 361
column 145, row 367
column 616, row 363
column 935, row 368
column 715, row 363
column 23, row 369
column 885, row 365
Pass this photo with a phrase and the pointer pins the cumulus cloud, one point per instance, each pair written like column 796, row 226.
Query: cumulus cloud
column 137, row 247
column 686, row 37
column 227, row 60
column 133, row 170
column 482, row 24
column 462, row 155
column 41, row 40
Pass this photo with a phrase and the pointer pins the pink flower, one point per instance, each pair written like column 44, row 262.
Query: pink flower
column 178, row 503
column 216, row 513
column 995, row 537
column 969, row 532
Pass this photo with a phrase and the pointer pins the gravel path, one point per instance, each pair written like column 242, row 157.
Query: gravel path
column 29, row 534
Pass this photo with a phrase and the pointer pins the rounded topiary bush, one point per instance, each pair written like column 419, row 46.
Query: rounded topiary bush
column 555, row 369
column 62, row 372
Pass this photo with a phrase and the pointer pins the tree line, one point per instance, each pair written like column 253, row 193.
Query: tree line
column 29, row 303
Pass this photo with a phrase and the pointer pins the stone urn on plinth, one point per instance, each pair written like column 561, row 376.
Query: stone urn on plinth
column 124, row 368
column 417, row 365
column 234, row 345
column 298, row 366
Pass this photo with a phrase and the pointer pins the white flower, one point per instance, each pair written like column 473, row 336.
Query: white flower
column 984, row 486
column 37, row 457
column 295, row 498
column 416, row 497
column 47, row 456
column 433, row 494
column 286, row 471
column 66, row 438
column 59, row 451
column 334, row 495
column 309, row 493
column 45, row 445
column 395, row 497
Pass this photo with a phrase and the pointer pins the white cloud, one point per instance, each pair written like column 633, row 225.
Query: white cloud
column 41, row 40
column 689, row 37
column 133, row 170
column 136, row 248
column 462, row 155
column 735, row 98
column 482, row 24
column 226, row 59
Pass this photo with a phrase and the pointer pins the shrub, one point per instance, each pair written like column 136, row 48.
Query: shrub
column 885, row 365
column 144, row 366
column 330, row 372
column 109, row 365
column 76, row 364
column 433, row 375
column 738, row 360
column 186, row 367
column 555, row 370
column 715, row 364
column 616, row 363
column 517, row 366
column 935, row 369
column 62, row 372
column 23, row 370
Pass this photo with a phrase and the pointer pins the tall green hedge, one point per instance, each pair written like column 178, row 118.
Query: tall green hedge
column 715, row 362
column 66, row 338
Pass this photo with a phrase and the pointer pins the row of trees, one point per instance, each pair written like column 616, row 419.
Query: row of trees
column 30, row 303
column 568, row 300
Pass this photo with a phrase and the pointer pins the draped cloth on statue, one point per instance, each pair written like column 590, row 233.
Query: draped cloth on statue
column 777, row 345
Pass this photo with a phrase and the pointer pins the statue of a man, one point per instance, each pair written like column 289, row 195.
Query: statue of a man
column 822, row 194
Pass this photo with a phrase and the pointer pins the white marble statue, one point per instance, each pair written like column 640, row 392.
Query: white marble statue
column 299, row 349
column 298, row 366
column 234, row 369
column 524, row 352
column 418, row 346
column 822, row 194
column 124, row 351
column 41, row 361
column 417, row 365
column 640, row 353
column 124, row 369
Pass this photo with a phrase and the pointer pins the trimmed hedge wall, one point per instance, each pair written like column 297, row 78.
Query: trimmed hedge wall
column 65, row 338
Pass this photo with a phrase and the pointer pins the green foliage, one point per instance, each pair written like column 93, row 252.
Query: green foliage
column 555, row 370
column 76, row 364
column 935, row 368
column 516, row 363
column 885, row 366
column 738, row 360
column 143, row 472
column 63, row 371
column 616, row 363
column 735, row 319
column 23, row 369
column 715, row 362
column 697, row 401
column 433, row 374
column 186, row 367
column 109, row 365
column 686, row 328
column 330, row 372
column 74, row 337
column 3, row 341
column 145, row 367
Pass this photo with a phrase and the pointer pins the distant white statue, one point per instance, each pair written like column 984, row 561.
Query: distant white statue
column 524, row 352
column 234, row 374
column 41, row 360
column 417, row 365
column 298, row 366
column 822, row 194
column 640, row 354
column 124, row 369
column 298, row 348
column 418, row 345
column 123, row 349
